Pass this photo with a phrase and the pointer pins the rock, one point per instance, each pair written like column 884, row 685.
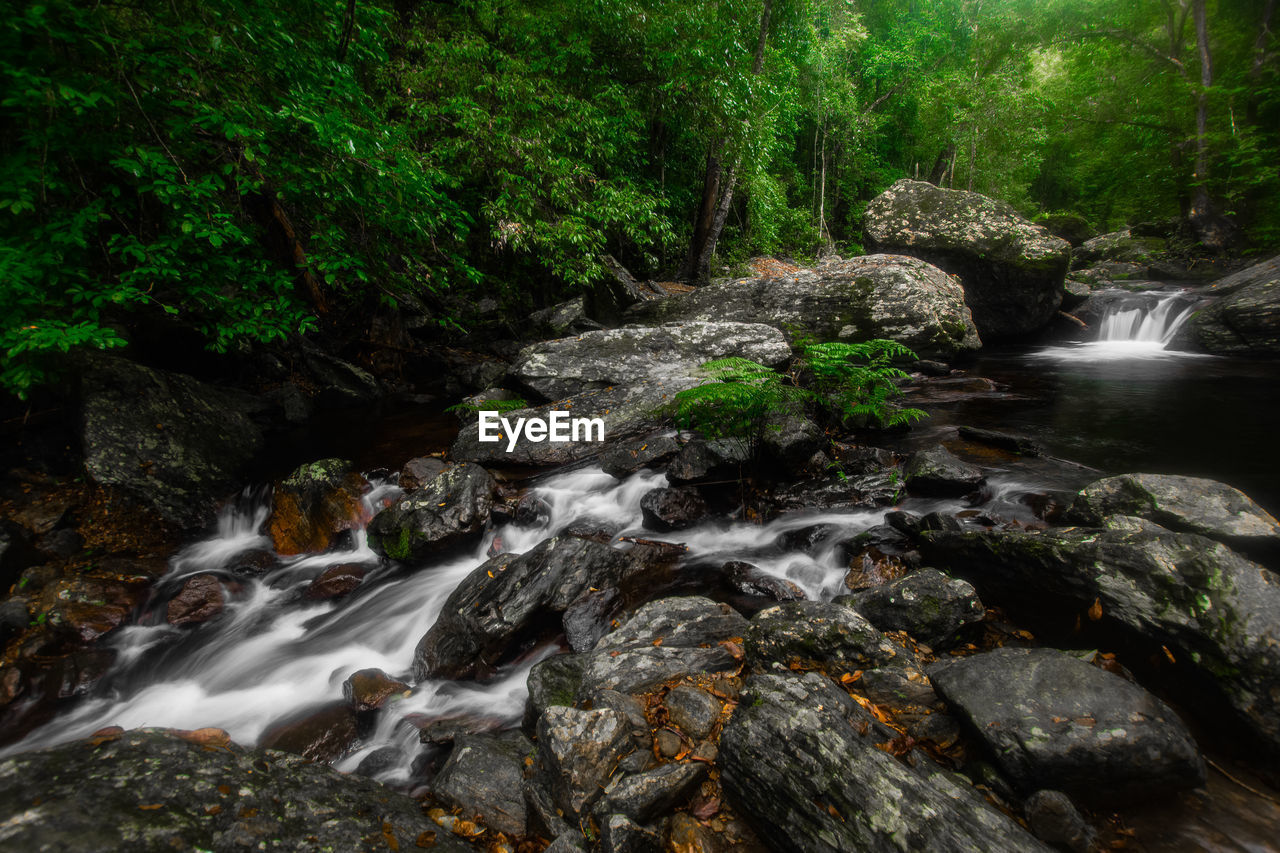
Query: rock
column 1012, row 270
column 876, row 296
column 314, row 504
column 577, row 753
column 450, row 511
column 1120, row 246
column 1242, row 319
column 1067, row 226
column 665, row 639
column 1108, row 272
column 836, row 492
column 695, row 711
column 668, row 743
column 16, row 553
column 173, row 443
column 587, row 619
column 369, row 689
column 567, row 366
column 790, row 441
column 563, row 319
column 105, row 794
column 702, row 461
column 87, row 607
column 336, row 582
column 484, row 777
column 341, row 383
column 502, row 597
column 1215, row 611
column 937, row 471
column 200, row 599
column 686, row 835
column 1018, row 444
column 1054, row 721
column 317, row 734
column 1053, row 818
column 926, row 604
column 799, row 760
column 751, row 580
column 645, row 796
column 420, row 471
column 1184, row 504
column 672, row 509
column 553, row 681
column 619, row 834
column 653, row 451
column 815, row 631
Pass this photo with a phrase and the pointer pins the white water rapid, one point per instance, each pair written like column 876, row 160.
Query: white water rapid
column 273, row 652
column 1134, row 325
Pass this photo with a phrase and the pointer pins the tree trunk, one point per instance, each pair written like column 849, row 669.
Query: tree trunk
column 697, row 266
column 1210, row 228
column 939, row 171
column 706, row 215
column 1259, row 60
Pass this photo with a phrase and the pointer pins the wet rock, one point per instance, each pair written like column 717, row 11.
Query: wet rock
column 553, row 681
column 16, row 552
column 815, row 631
column 420, row 471
column 1018, row 444
column 564, row 318
column 624, row 459
column 1119, row 246
column 799, row 759
column 665, row 639
column 1012, row 270
column 503, row 597
column 1054, row 721
column 314, row 504
column 567, row 366
column 450, row 511
column 857, row 460
column 88, row 607
column 672, row 509
column 1184, row 504
column 587, row 619
column 701, row 461
column 341, row 383
column 1242, row 319
column 175, row 444
column 751, row 580
column 255, row 562
column 630, row 707
column 336, row 582
column 317, row 734
column 369, row 689
column 14, row 618
column 686, row 835
column 200, row 599
column 872, row 490
column 926, row 604
column 668, row 743
column 531, row 510
column 577, row 753
column 1053, row 818
column 619, row 834
column 937, row 471
column 875, row 296
column 643, row 797
column 89, row 793
column 790, row 441
column 483, row 777
column 693, row 710
column 1067, row 226
column 1214, row 610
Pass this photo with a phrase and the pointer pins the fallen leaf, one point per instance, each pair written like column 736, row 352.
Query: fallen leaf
column 1095, row 610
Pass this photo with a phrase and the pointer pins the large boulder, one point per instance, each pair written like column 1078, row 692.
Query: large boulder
column 314, row 504
column 1054, row 721
column 451, row 510
column 151, row 791
column 1242, row 319
column 1184, row 504
column 1012, row 270
column 878, row 296
column 484, row 776
column 926, row 604
column 625, row 377
column 1119, row 247
column 502, row 598
column 172, row 442
column 1212, row 609
column 802, row 762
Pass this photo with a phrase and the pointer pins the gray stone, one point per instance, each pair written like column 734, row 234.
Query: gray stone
column 1242, row 318
column 926, row 604
column 1054, row 721
column 553, row 681
column 578, row 752
column 645, row 796
column 937, row 471
column 619, row 834
column 667, row 509
column 1121, row 247
column 587, row 619
column 450, row 511
column 693, row 710
column 876, row 296
column 1053, row 818
column 621, row 460
column 815, row 631
column 702, row 461
column 751, row 580
column 483, row 777
column 1012, row 270
column 799, row 759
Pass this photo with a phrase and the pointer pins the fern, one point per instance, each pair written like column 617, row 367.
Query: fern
column 466, row 407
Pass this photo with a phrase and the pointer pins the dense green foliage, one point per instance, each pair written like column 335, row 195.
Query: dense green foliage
column 249, row 169
column 835, row 382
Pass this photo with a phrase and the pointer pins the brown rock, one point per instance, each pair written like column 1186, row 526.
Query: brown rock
column 199, row 600
column 336, row 581
column 369, row 689
column 314, row 504
column 320, row 734
column 686, row 835
column 419, row 471
column 89, row 607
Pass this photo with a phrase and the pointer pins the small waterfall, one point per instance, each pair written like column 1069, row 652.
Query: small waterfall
column 1132, row 326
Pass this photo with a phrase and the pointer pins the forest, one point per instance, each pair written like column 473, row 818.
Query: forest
column 257, row 170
